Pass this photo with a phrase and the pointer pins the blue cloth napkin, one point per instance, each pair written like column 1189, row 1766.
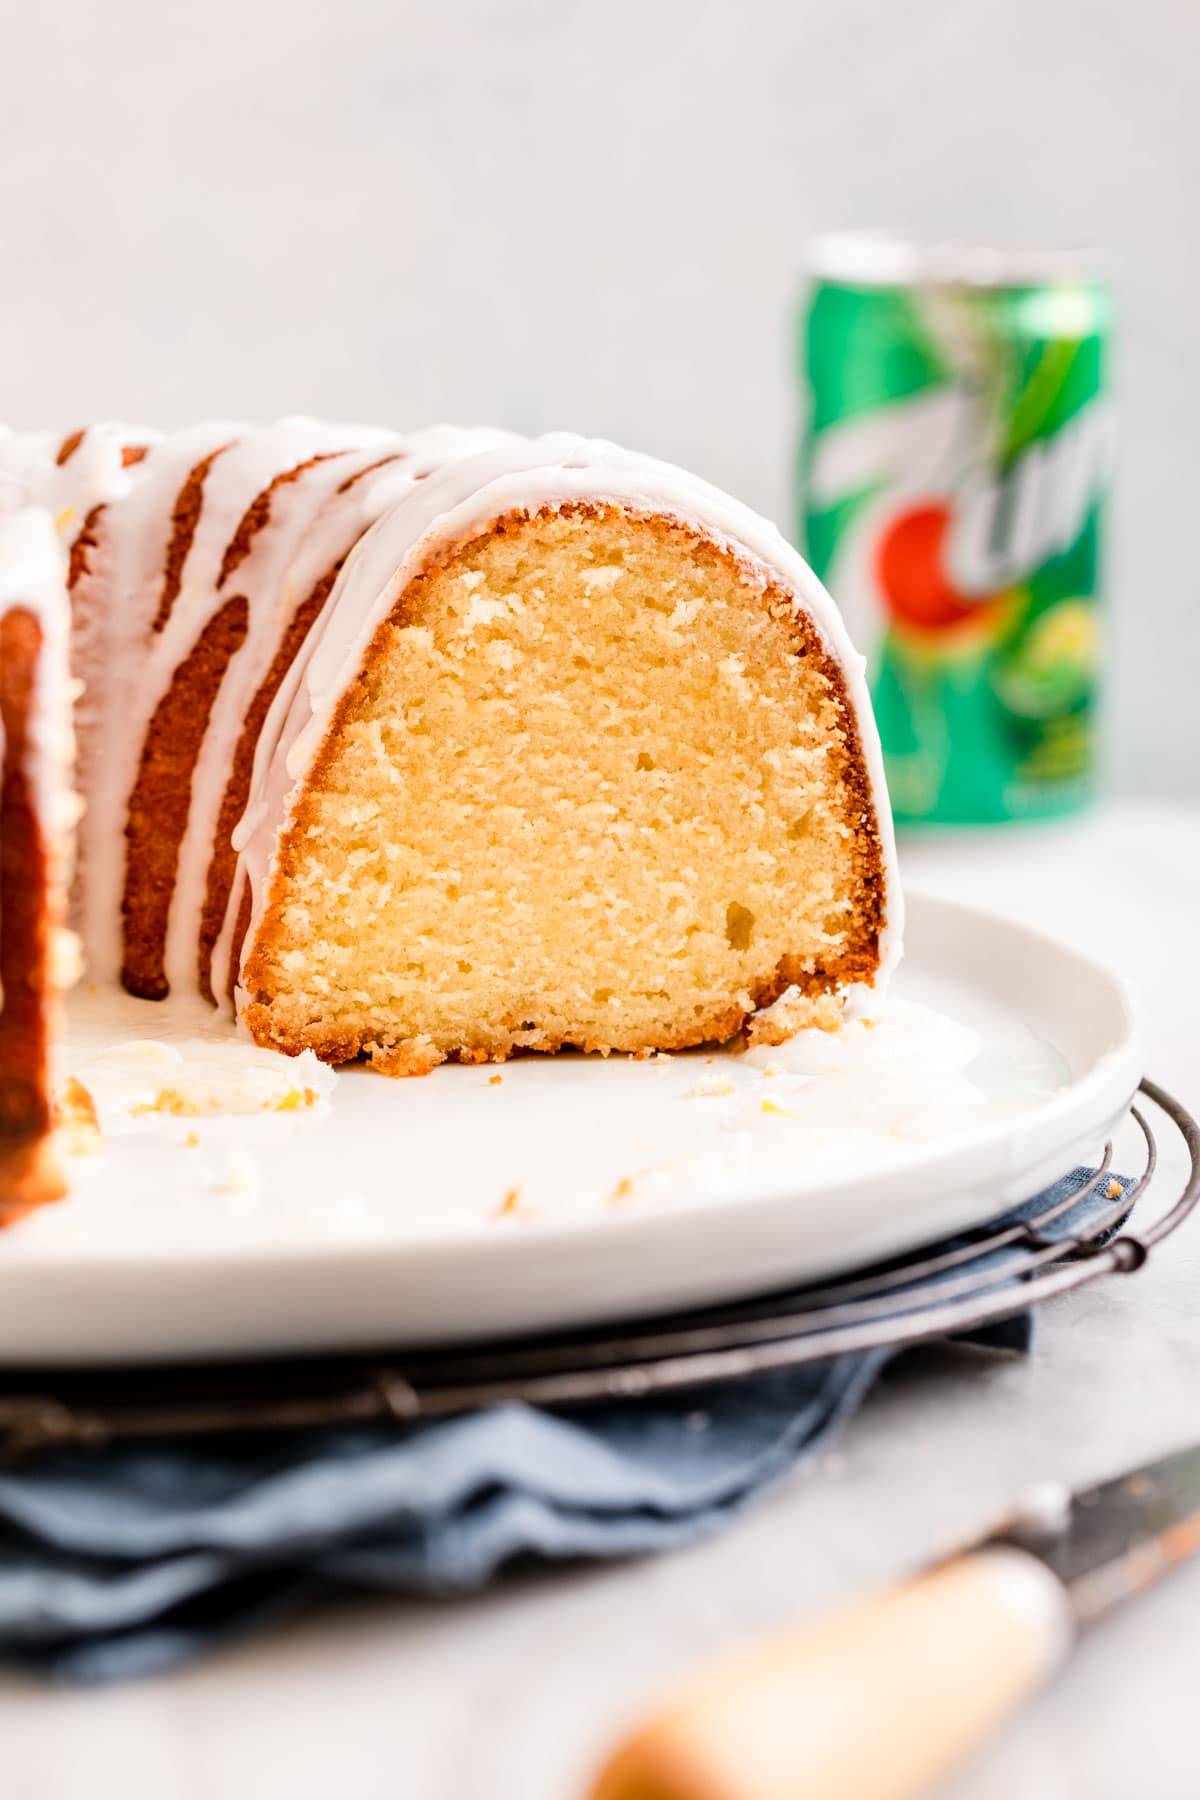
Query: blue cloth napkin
column 118, row 1562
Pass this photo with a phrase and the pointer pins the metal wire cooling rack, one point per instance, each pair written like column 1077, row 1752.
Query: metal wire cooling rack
column 985, row 1276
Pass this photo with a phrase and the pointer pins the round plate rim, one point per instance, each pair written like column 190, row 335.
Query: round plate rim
column 1084, row 1110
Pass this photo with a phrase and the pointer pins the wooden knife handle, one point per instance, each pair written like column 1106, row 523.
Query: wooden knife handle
column 875, row 1703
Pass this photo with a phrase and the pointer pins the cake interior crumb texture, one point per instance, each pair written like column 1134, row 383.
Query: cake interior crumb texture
column 597, row 784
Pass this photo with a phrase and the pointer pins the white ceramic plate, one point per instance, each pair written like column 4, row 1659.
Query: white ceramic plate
column 575, row 1189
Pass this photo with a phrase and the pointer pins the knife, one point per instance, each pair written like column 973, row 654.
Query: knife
column 881, row 1701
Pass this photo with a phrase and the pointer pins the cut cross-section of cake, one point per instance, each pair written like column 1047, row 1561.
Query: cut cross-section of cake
column 581, row 756
column 443, row 746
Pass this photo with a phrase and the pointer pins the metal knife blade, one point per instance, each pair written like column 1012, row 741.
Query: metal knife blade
column 1110, row 1542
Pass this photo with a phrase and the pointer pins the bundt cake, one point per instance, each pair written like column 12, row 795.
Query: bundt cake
column 426, row 747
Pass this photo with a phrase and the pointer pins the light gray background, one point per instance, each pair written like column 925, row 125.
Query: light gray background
column 545, row 212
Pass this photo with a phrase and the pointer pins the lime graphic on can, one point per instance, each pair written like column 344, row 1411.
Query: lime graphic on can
column 955, row 463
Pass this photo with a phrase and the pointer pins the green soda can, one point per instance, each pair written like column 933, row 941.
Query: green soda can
column 954, row 467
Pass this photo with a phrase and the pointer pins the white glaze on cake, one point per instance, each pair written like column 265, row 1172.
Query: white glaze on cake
column 385, row 504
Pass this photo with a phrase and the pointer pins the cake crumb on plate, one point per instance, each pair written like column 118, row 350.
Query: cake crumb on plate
column 712, row 1087
column 75, row 1117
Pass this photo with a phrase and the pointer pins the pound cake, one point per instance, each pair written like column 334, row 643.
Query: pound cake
column 442, row 746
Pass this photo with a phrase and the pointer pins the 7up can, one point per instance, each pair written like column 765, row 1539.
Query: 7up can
column 954, row 467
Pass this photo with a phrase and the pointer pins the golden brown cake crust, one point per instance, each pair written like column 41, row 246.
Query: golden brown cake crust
column 28, row 1166
column 257, row 515
column 158, row 807
column 68, row 447
column 185, row 518
column 79, row 564
column 857, row 962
